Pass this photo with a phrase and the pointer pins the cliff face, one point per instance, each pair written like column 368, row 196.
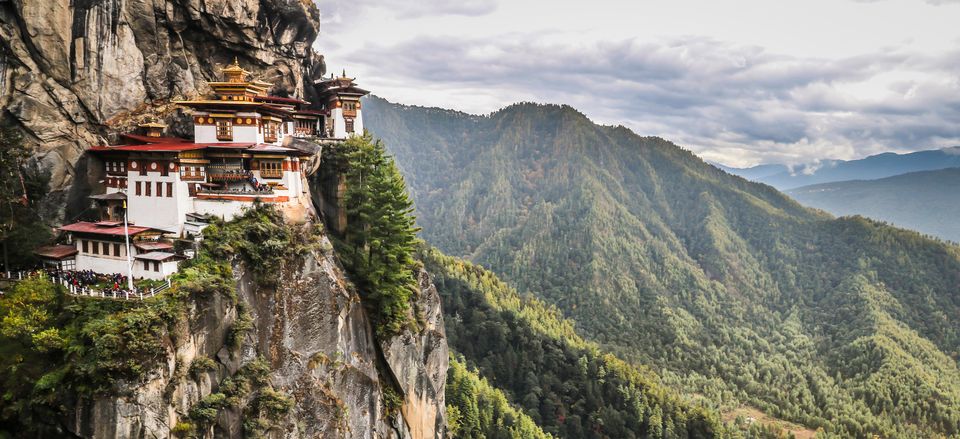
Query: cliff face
column 69, row 70
column 316, row 337
column 72, row 72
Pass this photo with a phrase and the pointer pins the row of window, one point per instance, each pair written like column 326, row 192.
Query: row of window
column 104, row 248
column 117, row 166
column 271, row 169
column 142, row 188
column 100, row 248
column 269, row 130
column 192, row 172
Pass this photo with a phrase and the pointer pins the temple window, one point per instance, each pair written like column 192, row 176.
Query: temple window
column 224, row 129
column 271, row 169
column 349, row 125
column 270, row 132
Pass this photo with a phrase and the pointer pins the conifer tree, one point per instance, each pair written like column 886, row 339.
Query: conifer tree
column 381, row 232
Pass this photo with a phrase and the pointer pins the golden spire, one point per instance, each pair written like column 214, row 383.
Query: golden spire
column 234, row 72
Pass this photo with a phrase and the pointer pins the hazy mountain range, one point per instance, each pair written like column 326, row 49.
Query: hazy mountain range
column 870, row 168
column 927, row 201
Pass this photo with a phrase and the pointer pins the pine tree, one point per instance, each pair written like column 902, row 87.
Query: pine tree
column 381, row 233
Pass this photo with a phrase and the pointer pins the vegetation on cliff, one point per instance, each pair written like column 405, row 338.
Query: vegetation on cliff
column 23, row 189
column 730, row 290
column 56, row 349
column 380, row 239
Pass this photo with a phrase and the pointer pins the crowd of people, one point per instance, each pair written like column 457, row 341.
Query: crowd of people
column 89, row 278
column 258, row 186
column 82, row 281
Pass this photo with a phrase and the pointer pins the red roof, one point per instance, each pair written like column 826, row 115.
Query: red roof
column 266, row 147
column 151, row 245
column 93, row 228
column 56, row 251
column 148, row 139
column 318, row 112
column 171, row 147
column 156, row 147
column 276, row 108
column 243, row 146
column 156, row 256
column 280, row 99
column 190, row 146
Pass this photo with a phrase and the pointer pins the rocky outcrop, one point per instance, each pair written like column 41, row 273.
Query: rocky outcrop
column 320, row 342
column 71, row 70
column 417, row 362
column 316, row 336
column 152, row 409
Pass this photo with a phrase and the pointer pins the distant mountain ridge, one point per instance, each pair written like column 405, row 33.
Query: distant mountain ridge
column 728, row 288
column 870, row 168
column 926, row 201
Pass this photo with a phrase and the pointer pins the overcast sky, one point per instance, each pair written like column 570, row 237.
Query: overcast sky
column 738, row 82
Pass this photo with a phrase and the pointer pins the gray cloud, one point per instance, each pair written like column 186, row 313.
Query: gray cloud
column 728, row 102
column 338, row 13
column 929, row 2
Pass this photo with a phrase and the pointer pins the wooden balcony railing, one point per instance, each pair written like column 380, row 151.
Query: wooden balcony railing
column 271, row 173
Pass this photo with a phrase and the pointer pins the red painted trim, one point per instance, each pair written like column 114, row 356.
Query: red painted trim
column 247, row 198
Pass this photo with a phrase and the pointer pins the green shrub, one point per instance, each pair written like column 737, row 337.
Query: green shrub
column 240, row 327
column 201, row 365
column 273, row 404
column 206, row 410
column 262, row 238
column 392, row 400
column 182, row 429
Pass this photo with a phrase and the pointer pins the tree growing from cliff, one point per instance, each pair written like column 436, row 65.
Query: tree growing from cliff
column 381, row 234
column 22, row 187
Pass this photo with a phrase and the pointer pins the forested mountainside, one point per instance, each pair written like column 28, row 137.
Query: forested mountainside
column 728, row 288
column 927, row 202
column 868, row 168
column 551, row 376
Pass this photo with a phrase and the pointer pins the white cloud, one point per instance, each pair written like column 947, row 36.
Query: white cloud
column 733, row 101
